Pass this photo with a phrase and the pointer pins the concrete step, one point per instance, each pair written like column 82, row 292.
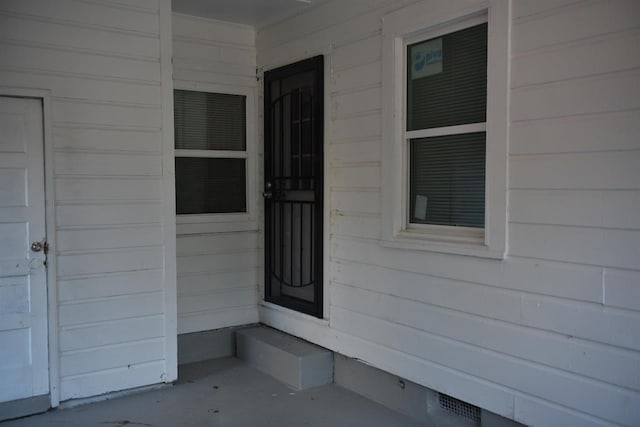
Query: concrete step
column 295, row 362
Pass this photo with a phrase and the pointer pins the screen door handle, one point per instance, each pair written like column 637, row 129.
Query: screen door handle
column 267, row 194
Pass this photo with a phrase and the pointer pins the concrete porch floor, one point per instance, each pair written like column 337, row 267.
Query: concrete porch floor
column 225, row 392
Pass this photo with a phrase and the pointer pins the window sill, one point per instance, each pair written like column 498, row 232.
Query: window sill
column 468, row 244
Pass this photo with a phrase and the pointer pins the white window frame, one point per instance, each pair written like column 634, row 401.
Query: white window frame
column 236, row 221
column 423, row 21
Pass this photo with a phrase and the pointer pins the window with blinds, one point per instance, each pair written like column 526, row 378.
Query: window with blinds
column 211, row 152
column 446, row 128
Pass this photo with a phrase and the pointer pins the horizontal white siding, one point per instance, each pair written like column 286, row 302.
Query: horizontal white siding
column 101, row 62
column 217, row 269
column 550, row 335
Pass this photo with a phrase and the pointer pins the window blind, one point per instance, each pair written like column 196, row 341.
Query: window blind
column 209, row 121
column 447, row 180
column 206, row 185
column 455, row 92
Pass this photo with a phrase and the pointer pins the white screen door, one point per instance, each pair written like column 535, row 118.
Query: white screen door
column 24, row 369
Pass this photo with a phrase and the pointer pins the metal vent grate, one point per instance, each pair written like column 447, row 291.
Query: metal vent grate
column 460, row 408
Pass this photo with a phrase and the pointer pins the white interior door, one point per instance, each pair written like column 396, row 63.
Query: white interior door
column 24, row 368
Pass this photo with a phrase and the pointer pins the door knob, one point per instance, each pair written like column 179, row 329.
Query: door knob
column 39, row 246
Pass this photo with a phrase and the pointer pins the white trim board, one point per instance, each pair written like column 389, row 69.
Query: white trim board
column 169, row 196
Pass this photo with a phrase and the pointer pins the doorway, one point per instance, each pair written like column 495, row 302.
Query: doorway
column 293, row 189
column 24, row 355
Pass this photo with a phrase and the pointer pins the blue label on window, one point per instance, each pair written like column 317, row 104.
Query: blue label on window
column 426, row 58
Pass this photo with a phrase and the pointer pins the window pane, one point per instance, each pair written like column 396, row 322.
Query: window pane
column 209, row 121
column 206, row 185
column 447, row 80
column 447, row 179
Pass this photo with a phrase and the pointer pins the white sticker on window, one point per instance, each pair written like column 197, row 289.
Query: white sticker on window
column 426, row 58
column 420, row 208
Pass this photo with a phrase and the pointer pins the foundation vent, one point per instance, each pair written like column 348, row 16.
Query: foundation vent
column 460, row 408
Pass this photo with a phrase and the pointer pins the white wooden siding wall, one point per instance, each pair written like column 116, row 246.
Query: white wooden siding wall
column 551, row 335
column 101, row 61
column 217, row 270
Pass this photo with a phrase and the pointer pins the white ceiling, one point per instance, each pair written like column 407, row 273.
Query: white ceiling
column 251, row 12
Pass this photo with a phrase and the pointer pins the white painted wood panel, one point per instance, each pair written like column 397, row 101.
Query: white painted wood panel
column 362, row 226
column 206, row 320
column 547, row 336
column 613, row 52
column 97, row 15
column 587, row 19
column 595, row 246
column 78, row 63
column 589, row 321
column 357, row 175
column 545, row 413
column 187, row 27
column 622, row 288
column 220, row 300
column 615, row 170
column 78, row 313
column 526, row 9
column 98, row 382
column 355, row 53
column 607, row 209
column 320, row 19
column 89, row 188
column 356, row 77
column 207, row 52
column 110, row 285
column 212, row 263
column 552, row 278
column 24, row 30
column 356, row 103
column 101, row 63
column 74, row 215
column 103, row 164
column 568, row 390
column 208, row 243
column 356, row 201
column 109, row 238
column 581, row 357
column 353, row 151
column 590, row 95
column 202, row 283
column 593, row 132
column 107, row 139
column 225, row 70
column 467, row 297
column 106, row 114
column 217, row 270
column 366, row 127
column 75, row 86
column 101, row 262
column 97, row 334
column 109, row 357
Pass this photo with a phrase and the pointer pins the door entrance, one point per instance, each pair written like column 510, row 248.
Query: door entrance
column 24, row 355
column 293, row 167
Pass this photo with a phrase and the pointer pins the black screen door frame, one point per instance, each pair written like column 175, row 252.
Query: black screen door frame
column 314, row 65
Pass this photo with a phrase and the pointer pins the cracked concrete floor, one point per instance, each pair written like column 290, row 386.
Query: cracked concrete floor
column 225, row 392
